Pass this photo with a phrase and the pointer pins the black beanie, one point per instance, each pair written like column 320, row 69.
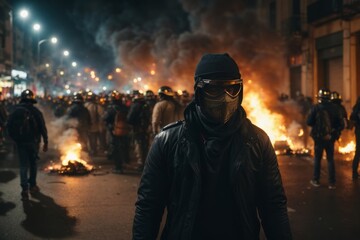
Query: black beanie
column 217, row 67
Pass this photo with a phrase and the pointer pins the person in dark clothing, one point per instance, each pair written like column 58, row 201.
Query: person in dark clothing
column 215, row 172
column 60, row 108
column 118, row 129
column 336, row 98
column 139, row 117
column 82, row 116
column 325, row 143
column 28, row 144
column 355, row 119
column 305, row 104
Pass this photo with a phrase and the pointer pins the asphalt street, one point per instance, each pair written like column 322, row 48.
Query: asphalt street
column 100, row 205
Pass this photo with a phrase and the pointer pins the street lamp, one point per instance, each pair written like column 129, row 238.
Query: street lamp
column 74, row 64
column 37, row 27
column 53, row 40
column 66, row 53
column 24, row 13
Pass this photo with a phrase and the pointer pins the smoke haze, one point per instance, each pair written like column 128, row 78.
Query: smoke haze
column 169, row 37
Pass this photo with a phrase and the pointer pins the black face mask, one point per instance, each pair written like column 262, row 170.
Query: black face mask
column 220, row 108
column 219, row 98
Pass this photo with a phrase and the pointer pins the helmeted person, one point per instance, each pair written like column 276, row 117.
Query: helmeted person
column 166, row 111
column 326, row 122
column 139, row 116
column 336, row 98
column 355, row 119
column 150, row 98
column 215, row 172
column 78, row 112
column 97, row 125
column 60, row 107
column 118, row 129
column 26, row 126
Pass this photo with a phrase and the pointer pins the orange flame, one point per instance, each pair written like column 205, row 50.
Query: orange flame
column 349, row 148
column 272, row 123
column 73, row 153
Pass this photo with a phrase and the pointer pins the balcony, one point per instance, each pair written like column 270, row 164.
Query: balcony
column 332, row 9
column 350, row 8
column 323, row 9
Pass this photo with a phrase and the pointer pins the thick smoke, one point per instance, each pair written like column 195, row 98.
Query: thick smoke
column 170, row 37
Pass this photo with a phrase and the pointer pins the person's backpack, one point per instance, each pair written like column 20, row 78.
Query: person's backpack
column 139, row 115
column 121, row 128
column 322, row 128
column 21, row 125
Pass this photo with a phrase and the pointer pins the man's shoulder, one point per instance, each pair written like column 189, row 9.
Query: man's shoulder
column 27, row 107
column 253, row 132
column 173, row 125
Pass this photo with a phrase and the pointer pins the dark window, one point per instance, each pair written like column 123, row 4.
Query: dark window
column 296, row 7
column 272, row 15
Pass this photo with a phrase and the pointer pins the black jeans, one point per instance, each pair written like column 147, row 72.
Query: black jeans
column 93, row 142
column 28, row 156
column 119, row 150
column 328, row 146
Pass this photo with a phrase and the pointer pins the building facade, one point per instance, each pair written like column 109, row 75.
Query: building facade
column 6, row 83
column 323, row 39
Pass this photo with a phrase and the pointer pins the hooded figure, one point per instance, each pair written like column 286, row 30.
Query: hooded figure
column 215, row 172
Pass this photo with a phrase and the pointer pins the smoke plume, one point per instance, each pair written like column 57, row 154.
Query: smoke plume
column 169, row 37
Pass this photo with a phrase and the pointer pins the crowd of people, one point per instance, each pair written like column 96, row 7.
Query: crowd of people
column 116, row 124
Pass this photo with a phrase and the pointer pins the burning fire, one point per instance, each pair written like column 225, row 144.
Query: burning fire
column 272, row 123
column 72, row 158
column 73, row 153
column 285, row 138
column 71, row 162
column 349, row 148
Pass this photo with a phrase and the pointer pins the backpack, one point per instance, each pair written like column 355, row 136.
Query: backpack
column 139, row 115
column 322, row 128
column 22, row 126
column 121, row 128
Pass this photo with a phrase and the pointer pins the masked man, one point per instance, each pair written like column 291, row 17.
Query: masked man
column 215, row 172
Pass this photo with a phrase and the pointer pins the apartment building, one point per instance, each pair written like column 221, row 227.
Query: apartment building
column 5, row 48
column 323, row 39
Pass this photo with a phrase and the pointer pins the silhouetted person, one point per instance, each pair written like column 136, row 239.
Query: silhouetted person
column 26, row 126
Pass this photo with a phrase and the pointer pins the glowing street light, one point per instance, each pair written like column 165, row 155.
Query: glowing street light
column 74, row 64
column 65, row 53
column 53, row 40
column 37, row 27
column 24, row 13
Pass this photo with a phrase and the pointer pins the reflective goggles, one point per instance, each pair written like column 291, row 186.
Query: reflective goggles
column 215, row 88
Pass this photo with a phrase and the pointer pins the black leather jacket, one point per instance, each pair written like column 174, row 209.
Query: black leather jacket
column 172, row 179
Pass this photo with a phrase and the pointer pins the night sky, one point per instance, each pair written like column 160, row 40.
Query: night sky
column 164, row 36
column 59, row 18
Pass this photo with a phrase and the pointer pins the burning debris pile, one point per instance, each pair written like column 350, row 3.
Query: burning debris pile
column 282, row 147
column 72, row 167
column 72, row 157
